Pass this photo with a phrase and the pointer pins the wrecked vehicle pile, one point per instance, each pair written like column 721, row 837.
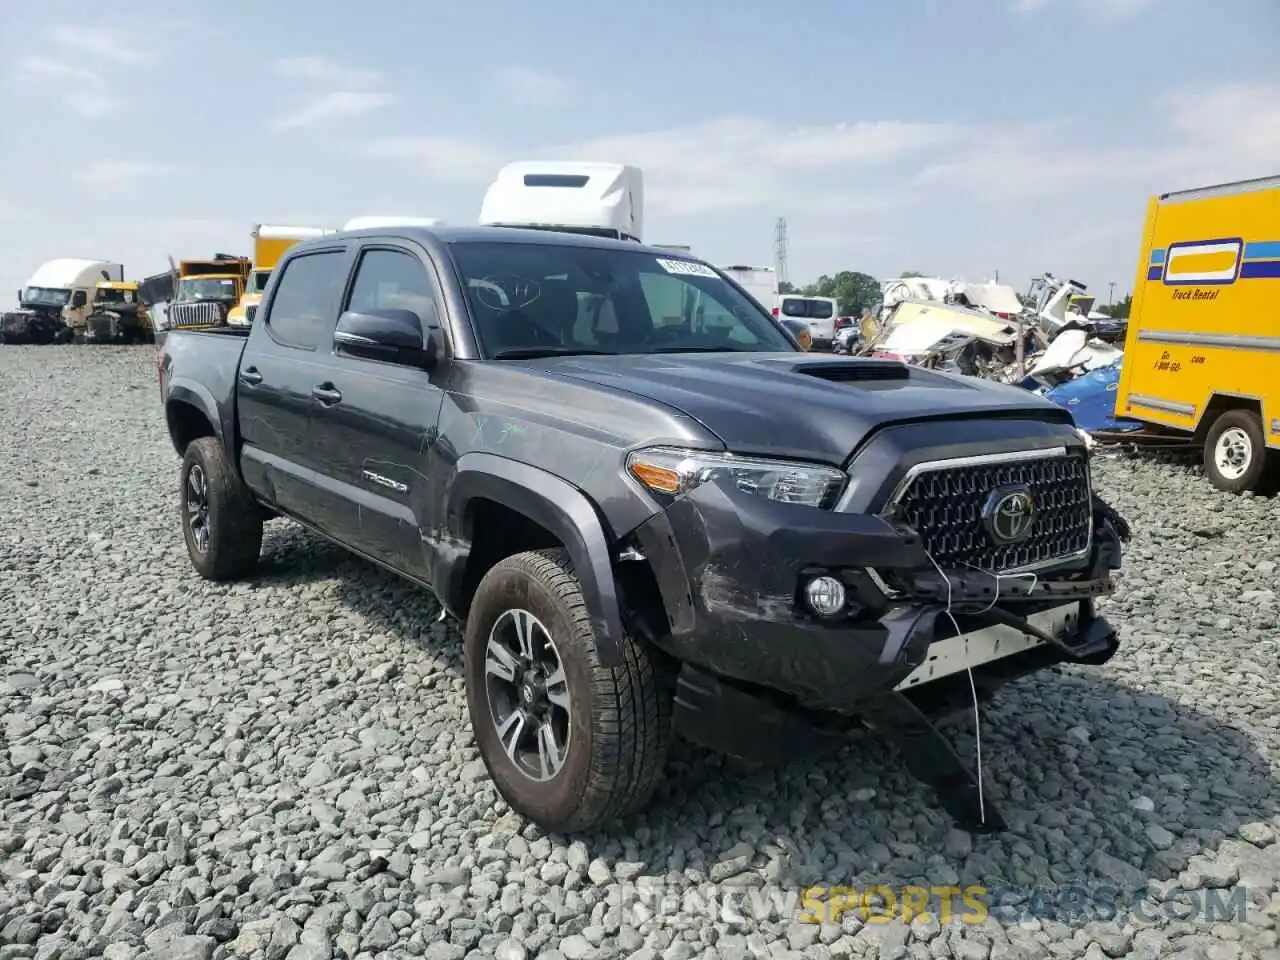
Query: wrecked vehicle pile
column 1057, row 346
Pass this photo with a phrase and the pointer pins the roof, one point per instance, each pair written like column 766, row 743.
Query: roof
column 55, row 273
column 513, row 235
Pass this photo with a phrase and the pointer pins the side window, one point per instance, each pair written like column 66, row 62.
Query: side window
column 389, row 279
column 302, row 309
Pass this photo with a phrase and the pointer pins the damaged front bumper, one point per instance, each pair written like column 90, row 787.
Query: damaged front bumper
column 763, row 676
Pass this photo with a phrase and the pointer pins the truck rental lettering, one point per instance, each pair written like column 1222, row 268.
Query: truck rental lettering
column 1198, row 293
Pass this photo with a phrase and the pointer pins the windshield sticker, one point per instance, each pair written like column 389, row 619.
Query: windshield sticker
column 687, row 268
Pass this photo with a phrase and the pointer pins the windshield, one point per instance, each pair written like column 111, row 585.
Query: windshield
column 46, row 296
column 115, row 296
column 811, row 309
column 533, row 298
column 206, row 288
column 258, row 281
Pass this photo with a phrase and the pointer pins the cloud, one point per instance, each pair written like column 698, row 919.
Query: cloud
column 1100, row 11
column 334, row 91
column 451, row 159
column 60, row 68
column 332, row 106
column 113, row 174
column 1214, row 134
column 729, row 163
column 529, row 87
column 102, row 43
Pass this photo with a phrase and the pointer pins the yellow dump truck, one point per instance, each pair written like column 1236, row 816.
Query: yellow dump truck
column 206, row 290
column 1202, row 351
column 269, row 244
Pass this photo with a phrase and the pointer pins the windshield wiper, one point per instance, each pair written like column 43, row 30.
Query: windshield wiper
column 699, row 350
column 533, row 353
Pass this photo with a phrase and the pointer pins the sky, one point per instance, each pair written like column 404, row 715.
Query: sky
column 961, row 138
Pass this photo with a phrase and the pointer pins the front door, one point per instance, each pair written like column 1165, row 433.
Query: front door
column 378, row 435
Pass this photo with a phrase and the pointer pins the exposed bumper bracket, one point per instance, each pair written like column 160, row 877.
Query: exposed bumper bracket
column 933, row 761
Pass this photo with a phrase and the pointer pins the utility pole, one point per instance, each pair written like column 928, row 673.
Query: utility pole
column 1111, row 294
column 780, row 250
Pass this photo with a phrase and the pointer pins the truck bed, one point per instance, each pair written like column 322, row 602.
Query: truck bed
column 208, row 362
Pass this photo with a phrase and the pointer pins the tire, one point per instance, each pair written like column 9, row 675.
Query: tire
column 223, row 527
column 1236, row 458
column 615, row 735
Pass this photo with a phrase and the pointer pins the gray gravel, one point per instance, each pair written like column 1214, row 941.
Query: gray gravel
column 283, row 769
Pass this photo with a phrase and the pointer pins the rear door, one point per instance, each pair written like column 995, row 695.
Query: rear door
column 378, row 435
column 818, row 312
column 283, row 363
column 822, row 319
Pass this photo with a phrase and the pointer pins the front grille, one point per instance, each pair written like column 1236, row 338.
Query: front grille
column 204, row 313
column 945, row 505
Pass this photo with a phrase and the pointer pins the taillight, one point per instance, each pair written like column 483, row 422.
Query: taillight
column 775, row 311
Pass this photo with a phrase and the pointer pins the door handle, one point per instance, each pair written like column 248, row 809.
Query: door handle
column 250, row 376
column 326, row 393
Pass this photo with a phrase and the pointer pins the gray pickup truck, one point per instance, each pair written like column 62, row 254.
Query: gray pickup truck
column 655, row 514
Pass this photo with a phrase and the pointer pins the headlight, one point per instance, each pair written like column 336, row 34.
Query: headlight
column 672, row 471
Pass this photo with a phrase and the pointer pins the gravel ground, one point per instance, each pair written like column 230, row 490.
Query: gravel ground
column 283, row 769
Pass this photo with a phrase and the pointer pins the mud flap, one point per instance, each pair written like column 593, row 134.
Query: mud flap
column 933, row 761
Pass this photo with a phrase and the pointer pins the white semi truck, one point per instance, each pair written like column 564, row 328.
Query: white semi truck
column 600, row 199
column 54, row 305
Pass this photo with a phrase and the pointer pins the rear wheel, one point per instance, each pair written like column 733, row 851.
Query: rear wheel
column 569, row 744
column 1235, row 453
column 221, row 521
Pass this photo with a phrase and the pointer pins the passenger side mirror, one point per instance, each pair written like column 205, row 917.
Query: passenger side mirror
column 799, row 330
column 390, row 334
column 79, row 299
column 250, row 312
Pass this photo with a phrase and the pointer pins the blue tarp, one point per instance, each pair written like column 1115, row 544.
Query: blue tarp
column 1091, row 398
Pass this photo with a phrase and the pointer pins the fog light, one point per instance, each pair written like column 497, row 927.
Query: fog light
column 825, row 596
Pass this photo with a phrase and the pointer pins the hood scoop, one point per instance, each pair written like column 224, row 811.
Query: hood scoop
column 856, row 371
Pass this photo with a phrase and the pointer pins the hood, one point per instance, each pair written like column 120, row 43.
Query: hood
column 798, row 404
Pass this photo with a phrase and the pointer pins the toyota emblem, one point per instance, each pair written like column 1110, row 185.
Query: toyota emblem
column 1009, row 515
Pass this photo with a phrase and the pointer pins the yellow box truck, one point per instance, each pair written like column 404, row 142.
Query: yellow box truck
column 269, row 244
column 1202, row 351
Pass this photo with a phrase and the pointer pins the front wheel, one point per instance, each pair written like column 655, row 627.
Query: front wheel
column 569, row 743
column 221, row 522
column 1235, row 453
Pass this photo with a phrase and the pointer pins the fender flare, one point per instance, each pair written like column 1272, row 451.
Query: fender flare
column 193, row 395
column 562, row 509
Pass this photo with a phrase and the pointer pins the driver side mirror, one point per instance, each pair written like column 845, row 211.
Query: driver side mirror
column 390, row 334
column 79, row 299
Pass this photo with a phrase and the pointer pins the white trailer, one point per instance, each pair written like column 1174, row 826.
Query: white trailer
column 373, row 221
column 760, row 282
